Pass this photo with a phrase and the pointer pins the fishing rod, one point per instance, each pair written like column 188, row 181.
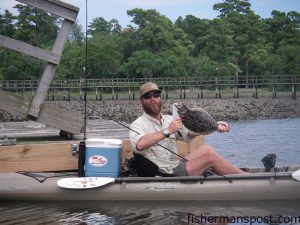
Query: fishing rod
column 185, row 159
column 85, row 69
column 95, row 110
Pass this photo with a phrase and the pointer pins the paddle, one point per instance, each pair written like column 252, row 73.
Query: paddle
column 84, row 182
column 296, row 175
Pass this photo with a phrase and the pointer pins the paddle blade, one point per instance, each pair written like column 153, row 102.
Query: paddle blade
column 84, row 182
column 296, row 175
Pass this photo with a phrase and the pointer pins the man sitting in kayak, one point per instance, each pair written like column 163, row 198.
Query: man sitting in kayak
column 152, row 133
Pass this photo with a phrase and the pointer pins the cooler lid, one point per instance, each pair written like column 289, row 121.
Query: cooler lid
column 103, row 142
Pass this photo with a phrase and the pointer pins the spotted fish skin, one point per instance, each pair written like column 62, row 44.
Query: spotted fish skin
column 197, row 120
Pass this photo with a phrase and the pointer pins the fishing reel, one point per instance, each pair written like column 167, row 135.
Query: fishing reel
column 269, row 161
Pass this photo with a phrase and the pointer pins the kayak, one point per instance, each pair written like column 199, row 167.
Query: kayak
column 279, row 184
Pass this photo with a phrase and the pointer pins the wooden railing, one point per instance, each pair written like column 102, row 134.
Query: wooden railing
column 129, row 86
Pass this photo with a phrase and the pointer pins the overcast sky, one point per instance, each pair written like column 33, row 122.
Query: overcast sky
column 117, row 9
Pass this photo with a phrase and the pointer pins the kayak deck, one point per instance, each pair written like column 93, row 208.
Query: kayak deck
column 256, row 185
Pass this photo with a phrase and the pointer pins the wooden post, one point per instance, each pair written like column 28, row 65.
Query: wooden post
column 53, row 95
column 167, row 93
column 32, row 92
column 274, row 94
column 201, row 90
column 100, row 94
column 236, row 94
column 117, row 94
column 218, row 95
column 180, row 97
column 69, row 94
column 49, row 71
column 54, row 117
column 112, row 93
column 255, row 95
column 294, row 91
column 80, row 94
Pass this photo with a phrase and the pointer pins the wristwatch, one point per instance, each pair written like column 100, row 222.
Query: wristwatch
column 166, row 132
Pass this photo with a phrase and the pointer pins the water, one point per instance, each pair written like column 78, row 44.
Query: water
column 249, row 141
column 244, row 145
column 175, row 213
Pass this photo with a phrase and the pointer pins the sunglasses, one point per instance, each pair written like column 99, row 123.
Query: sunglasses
column 154, row 95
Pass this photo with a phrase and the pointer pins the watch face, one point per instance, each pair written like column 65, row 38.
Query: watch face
column 166, row 132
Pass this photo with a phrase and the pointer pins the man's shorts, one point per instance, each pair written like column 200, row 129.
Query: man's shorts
column 180, row 170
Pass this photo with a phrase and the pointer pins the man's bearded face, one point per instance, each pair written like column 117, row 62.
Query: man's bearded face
column 152, row 106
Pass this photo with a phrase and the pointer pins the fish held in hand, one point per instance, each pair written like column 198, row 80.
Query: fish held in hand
column 196, row 120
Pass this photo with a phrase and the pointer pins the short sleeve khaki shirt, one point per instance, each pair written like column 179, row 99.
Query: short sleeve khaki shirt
column 164, row 159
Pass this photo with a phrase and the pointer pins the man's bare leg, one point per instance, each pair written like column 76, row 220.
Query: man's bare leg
column 206, row 157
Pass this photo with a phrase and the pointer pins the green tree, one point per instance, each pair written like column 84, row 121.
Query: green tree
column 141, row 64
column 284, row 28
column 195, row 29
column 7, row 27
column 229, row 6
column 284, row 36
column 104, row 56
column 72, row 61
column 158, row 46
column 36, row 27
column 250, row 48
column 101, row 26
column 218, row 42
column 154, row 30
column 77, row 33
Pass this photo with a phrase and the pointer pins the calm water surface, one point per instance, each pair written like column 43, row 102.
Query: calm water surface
column 244, row 145
column 176, row 213
column 249, row 141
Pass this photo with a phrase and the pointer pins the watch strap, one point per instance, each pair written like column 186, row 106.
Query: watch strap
column 166, row 132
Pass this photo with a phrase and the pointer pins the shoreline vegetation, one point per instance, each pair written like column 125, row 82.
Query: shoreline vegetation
column 229, row 109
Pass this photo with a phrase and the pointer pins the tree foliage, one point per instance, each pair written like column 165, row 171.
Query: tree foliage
column 238, row 43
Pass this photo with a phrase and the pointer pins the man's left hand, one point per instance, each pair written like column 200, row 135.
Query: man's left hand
column 223, row 126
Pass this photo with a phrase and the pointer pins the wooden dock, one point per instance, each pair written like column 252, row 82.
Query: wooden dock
column 40, row 148
column 30, row 129
column 183, row 88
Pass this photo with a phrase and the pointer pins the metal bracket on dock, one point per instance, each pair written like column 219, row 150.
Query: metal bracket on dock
column 7, row 141
column 74, row 149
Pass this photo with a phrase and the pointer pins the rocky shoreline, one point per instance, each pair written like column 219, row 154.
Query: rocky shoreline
column 221, row 109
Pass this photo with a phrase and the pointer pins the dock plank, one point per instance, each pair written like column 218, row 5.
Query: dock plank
column 95, row 128
column 45, row 155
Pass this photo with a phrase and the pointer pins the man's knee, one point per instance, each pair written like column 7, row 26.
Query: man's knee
column 209, row 153
column 207, row 149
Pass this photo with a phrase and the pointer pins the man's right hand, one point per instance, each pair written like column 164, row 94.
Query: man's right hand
column 175, row 125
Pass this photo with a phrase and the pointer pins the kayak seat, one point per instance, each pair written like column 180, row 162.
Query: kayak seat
column 146, row 168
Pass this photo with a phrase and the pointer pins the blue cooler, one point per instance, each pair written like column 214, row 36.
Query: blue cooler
column 103, row 157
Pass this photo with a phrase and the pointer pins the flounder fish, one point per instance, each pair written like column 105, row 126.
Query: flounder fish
column 196, row 120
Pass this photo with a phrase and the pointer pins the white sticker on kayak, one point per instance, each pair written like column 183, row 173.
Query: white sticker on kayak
column 98, row 160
